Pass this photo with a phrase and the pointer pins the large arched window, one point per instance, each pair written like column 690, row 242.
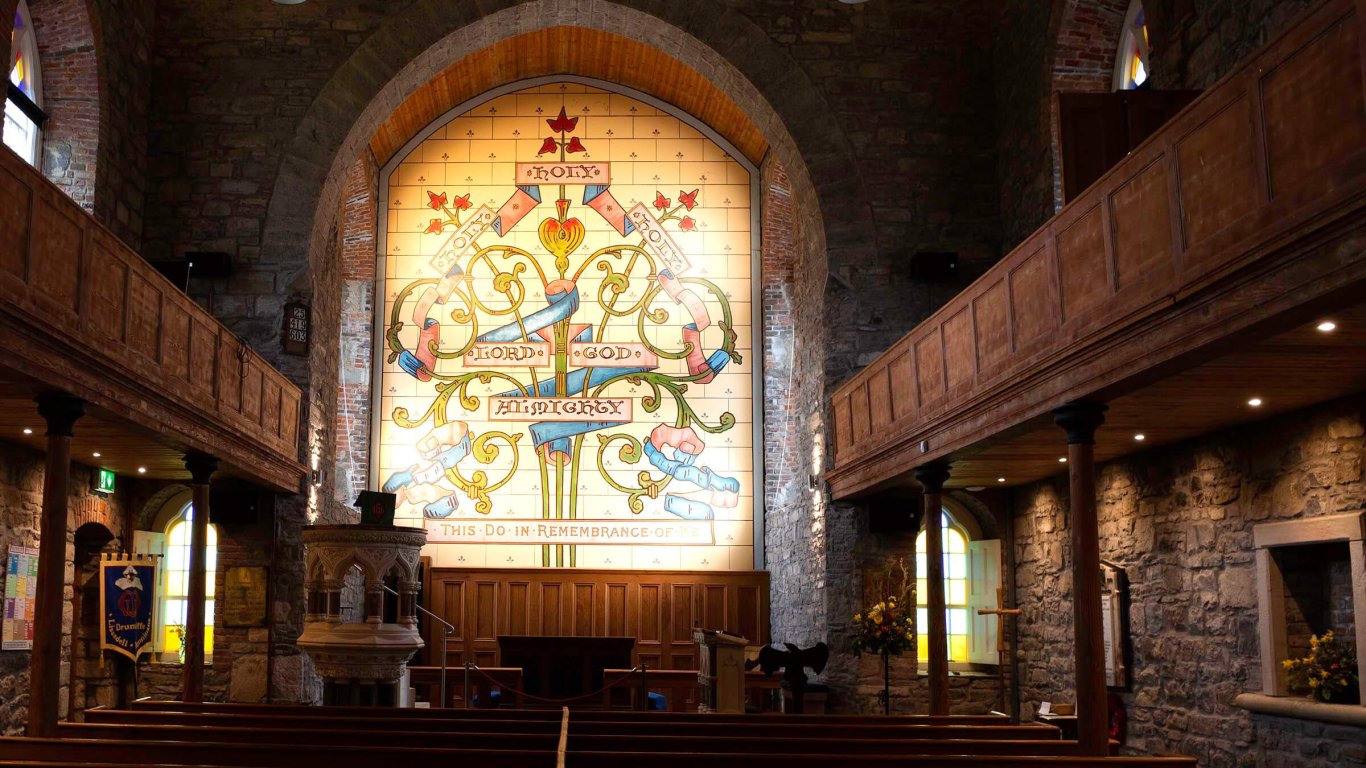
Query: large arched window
column 23, row 109
column 172, row 541
column 971, row 580
column 1132, row 62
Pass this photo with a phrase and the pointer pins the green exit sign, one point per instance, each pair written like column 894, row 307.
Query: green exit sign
column 104, row 481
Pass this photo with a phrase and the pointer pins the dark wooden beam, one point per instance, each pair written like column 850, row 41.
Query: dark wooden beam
column 201, row 467
column 60, row 411
column 1081, row 420
column 932, row 478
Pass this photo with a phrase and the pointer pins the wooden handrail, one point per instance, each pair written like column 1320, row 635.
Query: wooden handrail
column 82, row 312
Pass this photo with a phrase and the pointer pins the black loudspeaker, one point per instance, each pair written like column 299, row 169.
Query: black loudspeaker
column 934, row 266
column 237, row 506
column 894, row 513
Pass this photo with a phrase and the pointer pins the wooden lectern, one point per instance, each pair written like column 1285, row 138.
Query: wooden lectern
column 721, row 671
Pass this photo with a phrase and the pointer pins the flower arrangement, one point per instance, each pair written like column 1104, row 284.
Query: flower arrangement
column 1328, row 671
column 179, row 631
column 885, row 629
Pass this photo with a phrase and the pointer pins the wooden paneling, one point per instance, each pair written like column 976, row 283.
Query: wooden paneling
column 1240, row 217
column 81, row 312
column 1083, row 264
column 658, row 608
column 1096, row 130
column 578, row 51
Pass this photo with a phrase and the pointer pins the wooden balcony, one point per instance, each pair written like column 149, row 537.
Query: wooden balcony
column 1177, row 281
column 81, row 312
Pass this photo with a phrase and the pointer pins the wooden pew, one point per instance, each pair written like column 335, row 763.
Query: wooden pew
column 89, row 752
column 587, row 724
column 554, row 714
column 639, row 742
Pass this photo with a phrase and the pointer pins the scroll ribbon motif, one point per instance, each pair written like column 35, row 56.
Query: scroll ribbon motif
column 686, row 446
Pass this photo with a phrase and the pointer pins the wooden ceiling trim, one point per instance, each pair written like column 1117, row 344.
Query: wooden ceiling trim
column 1150, row 271
column 574, row 51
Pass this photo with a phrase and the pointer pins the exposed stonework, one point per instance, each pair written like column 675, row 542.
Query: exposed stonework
column 70, row 95
column 352, row 421
column 21, row 492
column 1179, row 520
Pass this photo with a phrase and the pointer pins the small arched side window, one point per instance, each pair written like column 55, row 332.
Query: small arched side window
column 1132, row 62
column 972, row 576
column 172, row 542
column 23, row 101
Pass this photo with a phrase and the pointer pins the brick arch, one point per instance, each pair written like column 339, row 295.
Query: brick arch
column 68, row 58
column 809, row 165
column 417, row 43
column 1085, row 40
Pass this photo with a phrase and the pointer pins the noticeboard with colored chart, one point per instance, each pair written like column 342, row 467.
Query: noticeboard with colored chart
column 566, row 352
column 21, row 590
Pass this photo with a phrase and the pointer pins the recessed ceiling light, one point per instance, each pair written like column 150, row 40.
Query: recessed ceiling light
column 1327, row 326
column 28, row 431
column 1000, row 479
column 289, row 2
column 1062, row 459
column 1255, row 402
column 96, row 454
column 142, row 470
column 976, row 488
column 1140, row 437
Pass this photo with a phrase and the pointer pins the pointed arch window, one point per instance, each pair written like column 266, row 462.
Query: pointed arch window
column 23, row 111
column 1132, row 63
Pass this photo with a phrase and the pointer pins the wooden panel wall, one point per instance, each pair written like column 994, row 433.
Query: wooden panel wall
column 117, row 333
column 658, row 608
column 1273, row 155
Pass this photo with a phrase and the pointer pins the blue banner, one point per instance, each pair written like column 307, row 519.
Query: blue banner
column 127, row 597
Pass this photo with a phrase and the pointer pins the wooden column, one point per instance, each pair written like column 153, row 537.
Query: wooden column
column 931, row 478
column 60, row 411
column 1081, row 420
column 201, row 467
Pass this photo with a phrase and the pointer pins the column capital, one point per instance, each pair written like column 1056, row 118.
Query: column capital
column 1080, row 420
column 60, row 411
column 201, row 466
column 932, row 476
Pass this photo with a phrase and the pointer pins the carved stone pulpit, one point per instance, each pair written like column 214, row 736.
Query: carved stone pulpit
column 720, row 671
column 360, row 628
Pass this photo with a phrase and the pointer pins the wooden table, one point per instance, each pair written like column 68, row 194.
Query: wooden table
column 559, row 667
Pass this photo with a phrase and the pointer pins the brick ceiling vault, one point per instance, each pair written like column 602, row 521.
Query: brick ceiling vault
column 577, row 51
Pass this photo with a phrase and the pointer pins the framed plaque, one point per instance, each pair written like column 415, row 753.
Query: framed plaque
column 244, row 596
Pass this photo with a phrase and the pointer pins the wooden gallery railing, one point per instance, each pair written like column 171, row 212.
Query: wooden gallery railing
column 82, row 312
column 1204, row 230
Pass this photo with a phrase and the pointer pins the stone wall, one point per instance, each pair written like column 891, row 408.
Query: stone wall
column 352, row 422
column 21, row 492
column 1179, row 520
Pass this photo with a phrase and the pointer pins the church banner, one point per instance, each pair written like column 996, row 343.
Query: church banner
column 568, row 382
column 127, row 600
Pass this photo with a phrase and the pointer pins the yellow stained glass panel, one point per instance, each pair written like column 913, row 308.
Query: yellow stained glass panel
column 569, row 338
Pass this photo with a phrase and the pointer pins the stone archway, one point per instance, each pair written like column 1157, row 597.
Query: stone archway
column 93, row 682
column 809, row 165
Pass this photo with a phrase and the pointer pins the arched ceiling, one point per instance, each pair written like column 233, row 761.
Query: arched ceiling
column 577, row 51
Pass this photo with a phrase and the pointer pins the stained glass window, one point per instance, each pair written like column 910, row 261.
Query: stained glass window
column 955, row 591
column 176, row 571
column 568, row 323
column 21, row 131
column 1131, row 65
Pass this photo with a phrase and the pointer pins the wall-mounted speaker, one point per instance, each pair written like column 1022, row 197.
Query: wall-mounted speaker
column 934, row 266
